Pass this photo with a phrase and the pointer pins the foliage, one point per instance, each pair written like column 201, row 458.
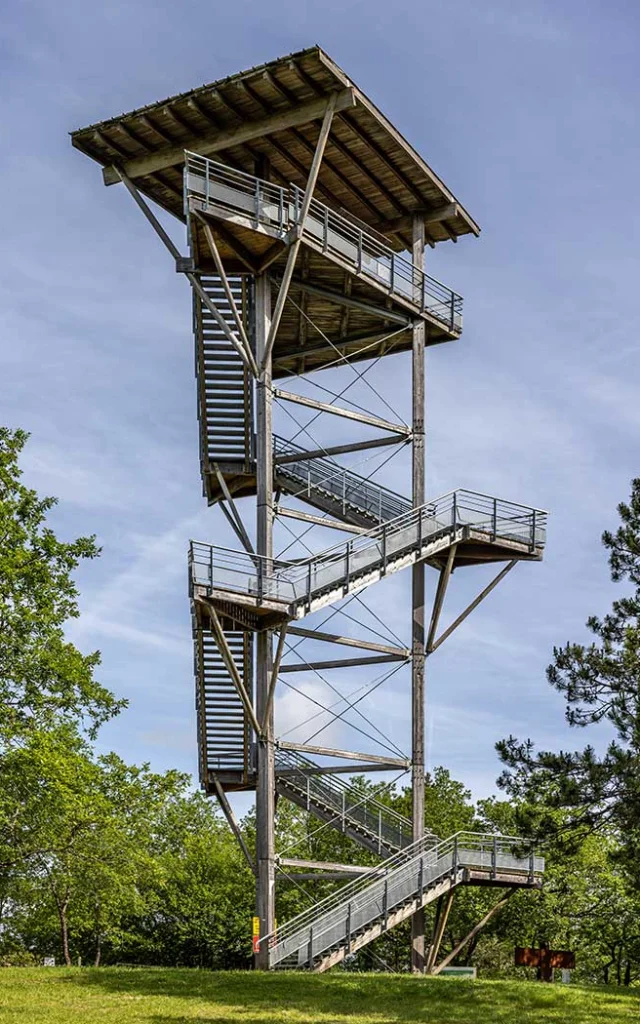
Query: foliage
column 42, row 675
column 582, row 791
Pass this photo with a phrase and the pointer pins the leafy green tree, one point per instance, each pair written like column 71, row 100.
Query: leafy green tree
column 42, row 675
column 579, row 792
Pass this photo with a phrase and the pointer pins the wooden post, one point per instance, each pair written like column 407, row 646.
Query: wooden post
column 418, row 590
column 265, row 783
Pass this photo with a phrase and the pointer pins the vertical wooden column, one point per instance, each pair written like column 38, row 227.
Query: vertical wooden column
column 265, row 786
column 418, row 590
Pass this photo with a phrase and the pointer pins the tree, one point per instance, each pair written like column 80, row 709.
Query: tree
column 42, row 675
column 579, row 792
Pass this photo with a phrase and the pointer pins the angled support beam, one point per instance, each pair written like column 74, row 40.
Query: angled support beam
column 334, row 769
column 442, row 917
column 337, row 449
column 245, row 354
column 274, row 675
column 474, row 931
column 378, row 659
column 233, row 824
column 306, row 517
column 233, row 513
column 445, row 575
column 474, row 604
column 349, row 755
column 215, row 252
column 371, row 421
column 299, row 228
column 345, row 300
column 334, row 638
column 213, row 141
column 231, row 667
column 325, row 865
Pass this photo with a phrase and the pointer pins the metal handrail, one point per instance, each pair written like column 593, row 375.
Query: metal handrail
column 280, row 208
column 389, row 828
column 334, row 920
column 302, row 580
column 340, row 483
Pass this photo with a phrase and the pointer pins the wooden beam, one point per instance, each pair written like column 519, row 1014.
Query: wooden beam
column 306, row 517
column 443, row 581
column 245, row 354
column 474, row 604
column 367, row 645
column 345, row 300
column 335, row 410
column 379, row 659
column 299, row 227
column 337, row 449
column 435, row 215
column 231, row 666
column 326, row 865
column 233, row 824
column 275, row 669
column 474, row 931
column 438, row 931
column 211, row 242
column 350, row 755
column 213, row 142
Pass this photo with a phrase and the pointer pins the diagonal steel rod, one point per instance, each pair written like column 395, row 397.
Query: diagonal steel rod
column 274, row 675
column 233, row 824
column 474, row 604
column 217, row 259
column 443, row 582
column 231, row 667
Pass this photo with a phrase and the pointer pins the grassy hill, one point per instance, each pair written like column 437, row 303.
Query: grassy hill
column 169, row 996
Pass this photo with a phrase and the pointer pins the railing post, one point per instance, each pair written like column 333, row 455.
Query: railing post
column 453, row 311
column 347, row 566
column 392, row 272
column 211, row 568
column 281, row 209
column 348, row 935
column 309, row 587
column 494, row 526
column 310, row 948
column 385, row 903
column 384, row 549
column 360, row 251
column 454, row 510
column 308, row 792
column 206, row 182
column 531, row 866
column 494, row 858
column 309, row 480
column 325, row 241
column 344, row 493
column 380, row 831
column 421, row 877
column 454, row 859
column 344, row 811
column 533, row 531
column 256, row 200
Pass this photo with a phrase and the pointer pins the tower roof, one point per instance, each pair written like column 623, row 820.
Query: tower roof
column 269, row 116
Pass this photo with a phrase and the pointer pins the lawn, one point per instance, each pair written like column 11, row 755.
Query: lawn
column 167, row 996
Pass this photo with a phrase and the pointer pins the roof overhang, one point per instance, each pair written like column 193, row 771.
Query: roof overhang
column 266, row 120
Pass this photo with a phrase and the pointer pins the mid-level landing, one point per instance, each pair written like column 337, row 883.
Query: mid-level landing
column 458, row 529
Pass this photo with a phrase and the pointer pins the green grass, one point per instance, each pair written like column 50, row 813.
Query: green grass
column 165, row 996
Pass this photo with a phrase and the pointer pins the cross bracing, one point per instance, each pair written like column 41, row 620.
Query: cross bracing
column 307, row 218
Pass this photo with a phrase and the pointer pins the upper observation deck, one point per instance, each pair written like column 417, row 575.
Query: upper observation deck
column 269, row 116
column 386, row 290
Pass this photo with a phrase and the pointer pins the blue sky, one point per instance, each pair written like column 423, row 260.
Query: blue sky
column 529, row 111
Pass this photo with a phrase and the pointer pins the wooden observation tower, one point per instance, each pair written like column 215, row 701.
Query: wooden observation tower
column 307, row 218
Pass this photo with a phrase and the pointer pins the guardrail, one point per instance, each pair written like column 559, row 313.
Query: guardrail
column 386, row 829
column 339, row 483
column 356, row 906
column 234, row 192
column 299, row 582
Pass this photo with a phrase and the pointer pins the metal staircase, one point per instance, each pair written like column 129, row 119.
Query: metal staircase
column 224, row 389
column 482, row 528
column 360, row 911
column 224, row 732
column 367, row 821
column 333, row 488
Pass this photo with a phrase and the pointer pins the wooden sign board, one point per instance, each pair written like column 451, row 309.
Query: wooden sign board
column 530, row 956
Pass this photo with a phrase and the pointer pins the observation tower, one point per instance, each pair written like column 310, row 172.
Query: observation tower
column 307, row 217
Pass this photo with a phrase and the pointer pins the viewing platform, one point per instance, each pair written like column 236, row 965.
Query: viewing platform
column 483, row 529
